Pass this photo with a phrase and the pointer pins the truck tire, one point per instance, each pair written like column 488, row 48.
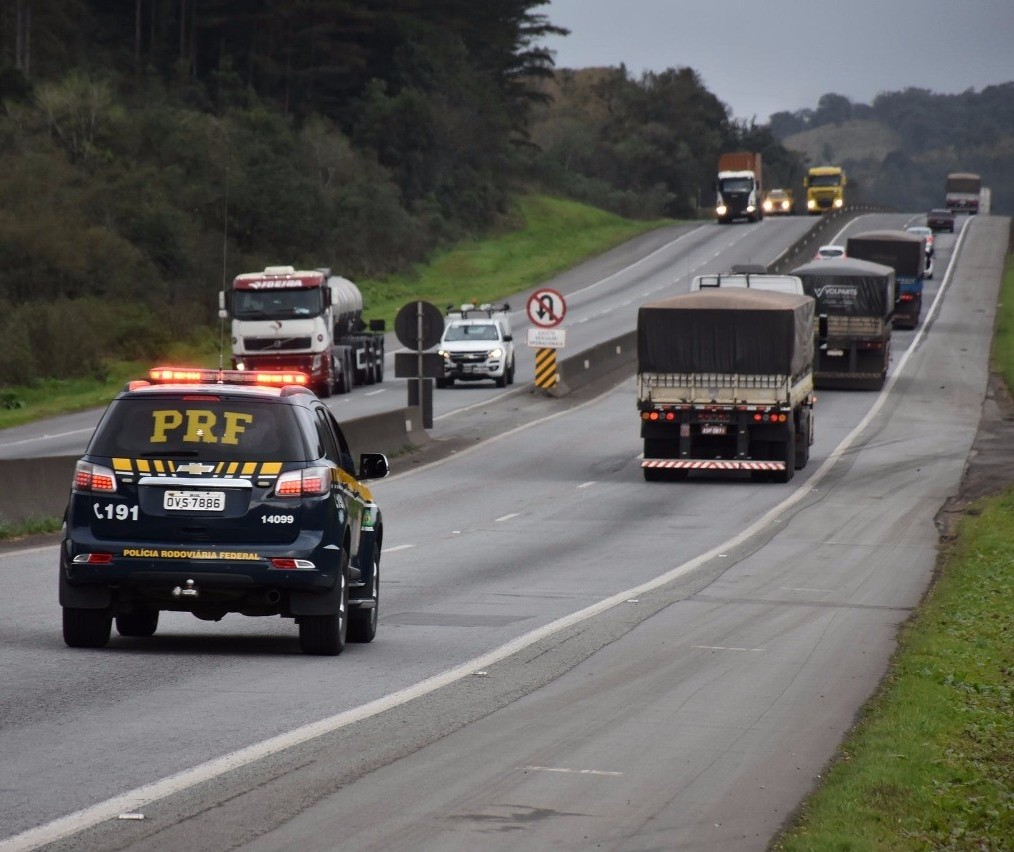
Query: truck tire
column 325, row 635
column 363, row 621
column 139, row 623
column 86, row 628
column 345, row 379
column 379, row 353
column 804, row 437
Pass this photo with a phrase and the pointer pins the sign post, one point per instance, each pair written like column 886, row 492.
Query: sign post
column 418, row 326
column 546, row 309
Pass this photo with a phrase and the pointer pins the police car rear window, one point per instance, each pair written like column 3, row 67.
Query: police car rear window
column 205, row 428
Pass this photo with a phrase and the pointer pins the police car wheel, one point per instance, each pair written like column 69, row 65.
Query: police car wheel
column 140, row 622
column 86, row 628
column 363, row 622
column 324, row 635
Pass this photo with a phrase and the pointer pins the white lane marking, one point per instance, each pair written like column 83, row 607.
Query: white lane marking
column 507, row 517
column 724, row 648
column 587, row 484
column 572, row 771
column 397, row 547
column 375, row 392
column 804, row 589
column 135, row 800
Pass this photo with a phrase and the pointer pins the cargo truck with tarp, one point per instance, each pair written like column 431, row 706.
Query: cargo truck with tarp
column 963, row 191
column 855, row 311
column 905, row 253
column 725, row 383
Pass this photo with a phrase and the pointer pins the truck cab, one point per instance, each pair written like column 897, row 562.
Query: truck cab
column 477, row 344
column 825, row 189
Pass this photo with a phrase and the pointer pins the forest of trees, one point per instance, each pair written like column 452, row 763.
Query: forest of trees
column 150, row 150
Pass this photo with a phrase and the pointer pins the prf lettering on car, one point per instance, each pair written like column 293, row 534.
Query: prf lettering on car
column 200, row 426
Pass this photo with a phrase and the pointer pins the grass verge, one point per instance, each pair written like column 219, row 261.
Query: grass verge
column 930, row 765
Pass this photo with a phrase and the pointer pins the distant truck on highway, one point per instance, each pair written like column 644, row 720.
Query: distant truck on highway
column 855, row 312
column 963, row 191
column 308, row 321
column 725, row 383
column 739, row 187
column 825, row 189
column 906, row 254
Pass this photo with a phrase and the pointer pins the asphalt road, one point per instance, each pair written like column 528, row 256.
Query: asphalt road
column 568, row 657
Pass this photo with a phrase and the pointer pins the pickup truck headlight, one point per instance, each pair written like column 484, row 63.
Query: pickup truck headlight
column 496, row 354
column 443, row 353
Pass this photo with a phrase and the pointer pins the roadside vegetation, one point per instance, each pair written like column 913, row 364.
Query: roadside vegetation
column 930, row 765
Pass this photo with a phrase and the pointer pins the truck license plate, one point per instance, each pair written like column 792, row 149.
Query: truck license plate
column 835, row 353
column 713, row 429
column 194, row 501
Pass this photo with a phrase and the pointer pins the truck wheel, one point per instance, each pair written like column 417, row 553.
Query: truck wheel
column 803, row 441
column 140, row 622
column 363, row 622
column 86, row 628
column 345, row 380
column 441, row 382
column 325, row 635
column 380, row 366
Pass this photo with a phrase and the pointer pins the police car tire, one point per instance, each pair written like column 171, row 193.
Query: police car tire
column 325, row 635
column 86, row 628
column 501, row 381
column 139, row 623
column 363, row 622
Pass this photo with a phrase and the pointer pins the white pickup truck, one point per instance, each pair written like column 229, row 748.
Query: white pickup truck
column 477, row 344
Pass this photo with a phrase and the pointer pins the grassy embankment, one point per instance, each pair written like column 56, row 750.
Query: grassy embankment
column 930, row 765
column 543, row 237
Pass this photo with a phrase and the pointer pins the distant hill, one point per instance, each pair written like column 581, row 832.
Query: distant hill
column 857, row 139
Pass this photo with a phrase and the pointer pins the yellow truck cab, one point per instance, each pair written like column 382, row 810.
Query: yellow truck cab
column 825, row 189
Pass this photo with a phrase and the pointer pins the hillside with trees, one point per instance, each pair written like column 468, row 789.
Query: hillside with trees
column 900, row 148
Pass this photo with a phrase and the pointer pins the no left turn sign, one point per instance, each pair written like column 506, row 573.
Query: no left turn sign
column 546, row 308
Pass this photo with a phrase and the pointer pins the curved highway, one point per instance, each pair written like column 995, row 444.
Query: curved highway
column 568, row 657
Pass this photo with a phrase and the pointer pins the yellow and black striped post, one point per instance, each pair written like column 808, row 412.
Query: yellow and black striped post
column 545, row 369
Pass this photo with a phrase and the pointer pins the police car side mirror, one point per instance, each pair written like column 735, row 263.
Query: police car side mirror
column 508, row 337
column 373, row 466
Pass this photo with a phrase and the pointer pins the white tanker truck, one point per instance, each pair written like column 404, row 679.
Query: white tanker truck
column 304, row 320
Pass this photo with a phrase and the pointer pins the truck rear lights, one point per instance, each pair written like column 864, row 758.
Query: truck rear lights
column 93, row 477
column 307, row 482
column 650, row 415
column 770, row 417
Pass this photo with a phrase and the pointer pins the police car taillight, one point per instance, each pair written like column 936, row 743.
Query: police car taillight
column 308, row 482
column 93, row 477
column 188, row 376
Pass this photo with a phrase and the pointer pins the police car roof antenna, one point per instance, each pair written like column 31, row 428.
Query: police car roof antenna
column 225, row 282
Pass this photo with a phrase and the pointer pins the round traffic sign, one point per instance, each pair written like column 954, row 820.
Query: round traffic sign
column 419, row 325
column 546, row 308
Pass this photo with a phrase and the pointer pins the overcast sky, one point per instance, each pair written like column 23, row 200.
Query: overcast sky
column 765, row 56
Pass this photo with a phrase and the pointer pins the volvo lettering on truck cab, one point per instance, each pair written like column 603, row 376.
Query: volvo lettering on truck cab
column 308, row 321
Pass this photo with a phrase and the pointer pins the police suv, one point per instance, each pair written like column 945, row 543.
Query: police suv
column 215, row 492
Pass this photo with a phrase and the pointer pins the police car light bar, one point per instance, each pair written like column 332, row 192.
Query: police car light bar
column 274, row 378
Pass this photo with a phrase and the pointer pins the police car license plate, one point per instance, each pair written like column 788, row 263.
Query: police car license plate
column 713, row 429
column 194, row 501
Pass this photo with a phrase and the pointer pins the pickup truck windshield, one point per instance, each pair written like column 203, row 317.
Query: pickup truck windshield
column 485, row 331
